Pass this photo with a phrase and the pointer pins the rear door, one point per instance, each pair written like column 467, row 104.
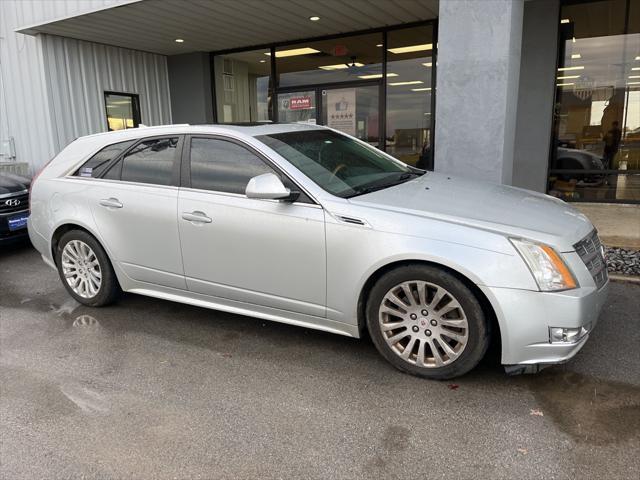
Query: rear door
column 262, row 252
column 135, row 208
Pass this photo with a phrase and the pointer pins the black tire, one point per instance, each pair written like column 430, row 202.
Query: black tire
column 478, row 335
column 109, row 286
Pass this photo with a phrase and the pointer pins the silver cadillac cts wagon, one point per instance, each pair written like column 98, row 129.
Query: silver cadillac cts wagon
column 305, row 225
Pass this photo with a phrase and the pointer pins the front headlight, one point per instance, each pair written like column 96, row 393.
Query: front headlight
column 548, row 269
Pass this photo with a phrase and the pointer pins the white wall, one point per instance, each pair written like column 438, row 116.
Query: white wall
column 40, row 123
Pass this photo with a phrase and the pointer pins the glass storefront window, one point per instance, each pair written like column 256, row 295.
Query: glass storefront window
column 597, row 112
column 297, row 107
column 338, row 82
column 242, row 84
column 330, row 61
column 409, row 67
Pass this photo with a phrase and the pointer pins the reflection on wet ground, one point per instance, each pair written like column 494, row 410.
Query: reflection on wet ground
column 153, row 389
column 591, row 410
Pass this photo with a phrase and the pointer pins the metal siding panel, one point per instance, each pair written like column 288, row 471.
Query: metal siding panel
column 80, row 72
column 26, row 106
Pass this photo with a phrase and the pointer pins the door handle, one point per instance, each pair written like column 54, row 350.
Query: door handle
column 196, row 216
column 111, row 203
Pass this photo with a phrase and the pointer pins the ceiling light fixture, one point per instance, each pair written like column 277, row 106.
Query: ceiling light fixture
column 568, row 77
column 314, row 18
column 638, row 58
column 565, row 20
column 576, row 55
column 566, row 69
column 376, row 75
column 633, row 83
column 294, row 52
column 425, row 89
column 428, row 64
column 634, row 76
column 179, row 40
column 412, row 48
column 635, row 68
column 341, row 66
column 565, row 84
column 263, row 61
column 411, row 82
column 378, row 45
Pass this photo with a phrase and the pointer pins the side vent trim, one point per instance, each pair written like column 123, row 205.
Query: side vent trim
column 351, row 220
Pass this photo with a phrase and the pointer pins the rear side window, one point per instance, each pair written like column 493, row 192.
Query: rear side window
column 151, row 161
column 223, row 166
column 96, row 165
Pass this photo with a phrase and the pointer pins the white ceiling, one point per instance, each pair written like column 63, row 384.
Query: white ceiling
column 210, row 25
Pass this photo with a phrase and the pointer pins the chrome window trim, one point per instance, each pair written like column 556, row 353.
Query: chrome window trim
column 240, row 195
column 118, row 182
column 14, row 194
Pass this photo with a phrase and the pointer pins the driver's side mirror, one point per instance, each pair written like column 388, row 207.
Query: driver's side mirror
column 269, row 187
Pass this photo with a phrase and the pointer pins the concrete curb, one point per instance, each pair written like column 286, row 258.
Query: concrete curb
column 615, row 277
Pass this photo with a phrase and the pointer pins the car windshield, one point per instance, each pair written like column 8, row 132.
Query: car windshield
column 339, row 164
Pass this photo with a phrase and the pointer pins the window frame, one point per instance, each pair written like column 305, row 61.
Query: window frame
column 185, row 170
column 118, row 161
column 135, row 107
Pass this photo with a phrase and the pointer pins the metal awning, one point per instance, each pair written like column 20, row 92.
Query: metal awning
column 211, row 25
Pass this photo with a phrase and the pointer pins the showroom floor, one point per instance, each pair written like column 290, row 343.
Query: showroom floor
column 148, row 389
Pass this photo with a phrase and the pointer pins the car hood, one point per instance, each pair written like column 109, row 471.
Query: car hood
column 499, row 208
column 10, row 183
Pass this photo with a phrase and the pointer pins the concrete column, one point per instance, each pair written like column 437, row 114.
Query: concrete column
column 477, row 87
column 535, row 96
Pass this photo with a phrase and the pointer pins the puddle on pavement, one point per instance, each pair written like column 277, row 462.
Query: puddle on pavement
column 85, row 321
column 590, row 410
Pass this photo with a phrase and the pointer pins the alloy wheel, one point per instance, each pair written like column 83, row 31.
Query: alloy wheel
column 423, row 324
column 81, row 269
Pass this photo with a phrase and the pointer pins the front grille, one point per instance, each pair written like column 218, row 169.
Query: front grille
column 590, row 251
column 14, row 203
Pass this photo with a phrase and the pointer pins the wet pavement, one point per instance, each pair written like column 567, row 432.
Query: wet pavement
column 152, row 390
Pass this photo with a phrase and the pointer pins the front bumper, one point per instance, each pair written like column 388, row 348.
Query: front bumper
column 525, row 318
column 7, row 235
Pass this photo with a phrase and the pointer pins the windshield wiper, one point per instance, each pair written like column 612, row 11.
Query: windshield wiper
column 379, row 186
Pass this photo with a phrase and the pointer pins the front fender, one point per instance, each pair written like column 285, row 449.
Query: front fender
column 356, row 253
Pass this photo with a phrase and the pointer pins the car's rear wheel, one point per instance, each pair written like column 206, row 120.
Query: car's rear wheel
column 427, row 322
column 85, row 269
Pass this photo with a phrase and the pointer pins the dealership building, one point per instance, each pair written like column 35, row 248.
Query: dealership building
column 540, row 94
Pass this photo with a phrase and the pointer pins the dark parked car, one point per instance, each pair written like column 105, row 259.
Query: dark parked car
column 14, row 207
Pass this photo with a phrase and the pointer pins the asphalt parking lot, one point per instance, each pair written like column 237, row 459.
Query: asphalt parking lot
column 150, row 389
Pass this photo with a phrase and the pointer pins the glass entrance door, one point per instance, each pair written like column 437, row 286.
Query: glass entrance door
column 354, row 110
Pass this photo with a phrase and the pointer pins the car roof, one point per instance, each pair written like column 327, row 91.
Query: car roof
column 248, row 129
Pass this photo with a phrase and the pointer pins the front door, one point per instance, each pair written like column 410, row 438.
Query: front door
column 261, row 252
column 349, row 108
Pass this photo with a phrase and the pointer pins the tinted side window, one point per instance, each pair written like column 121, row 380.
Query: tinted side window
column 150, row 161
column 96, row 165
column 223, row 166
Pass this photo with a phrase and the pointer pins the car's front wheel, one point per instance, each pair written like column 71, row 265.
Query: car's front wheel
column 85, row 269
column 427, row 322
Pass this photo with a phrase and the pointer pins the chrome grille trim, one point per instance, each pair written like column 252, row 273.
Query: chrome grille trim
column 23, row 205
column 590, row 251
